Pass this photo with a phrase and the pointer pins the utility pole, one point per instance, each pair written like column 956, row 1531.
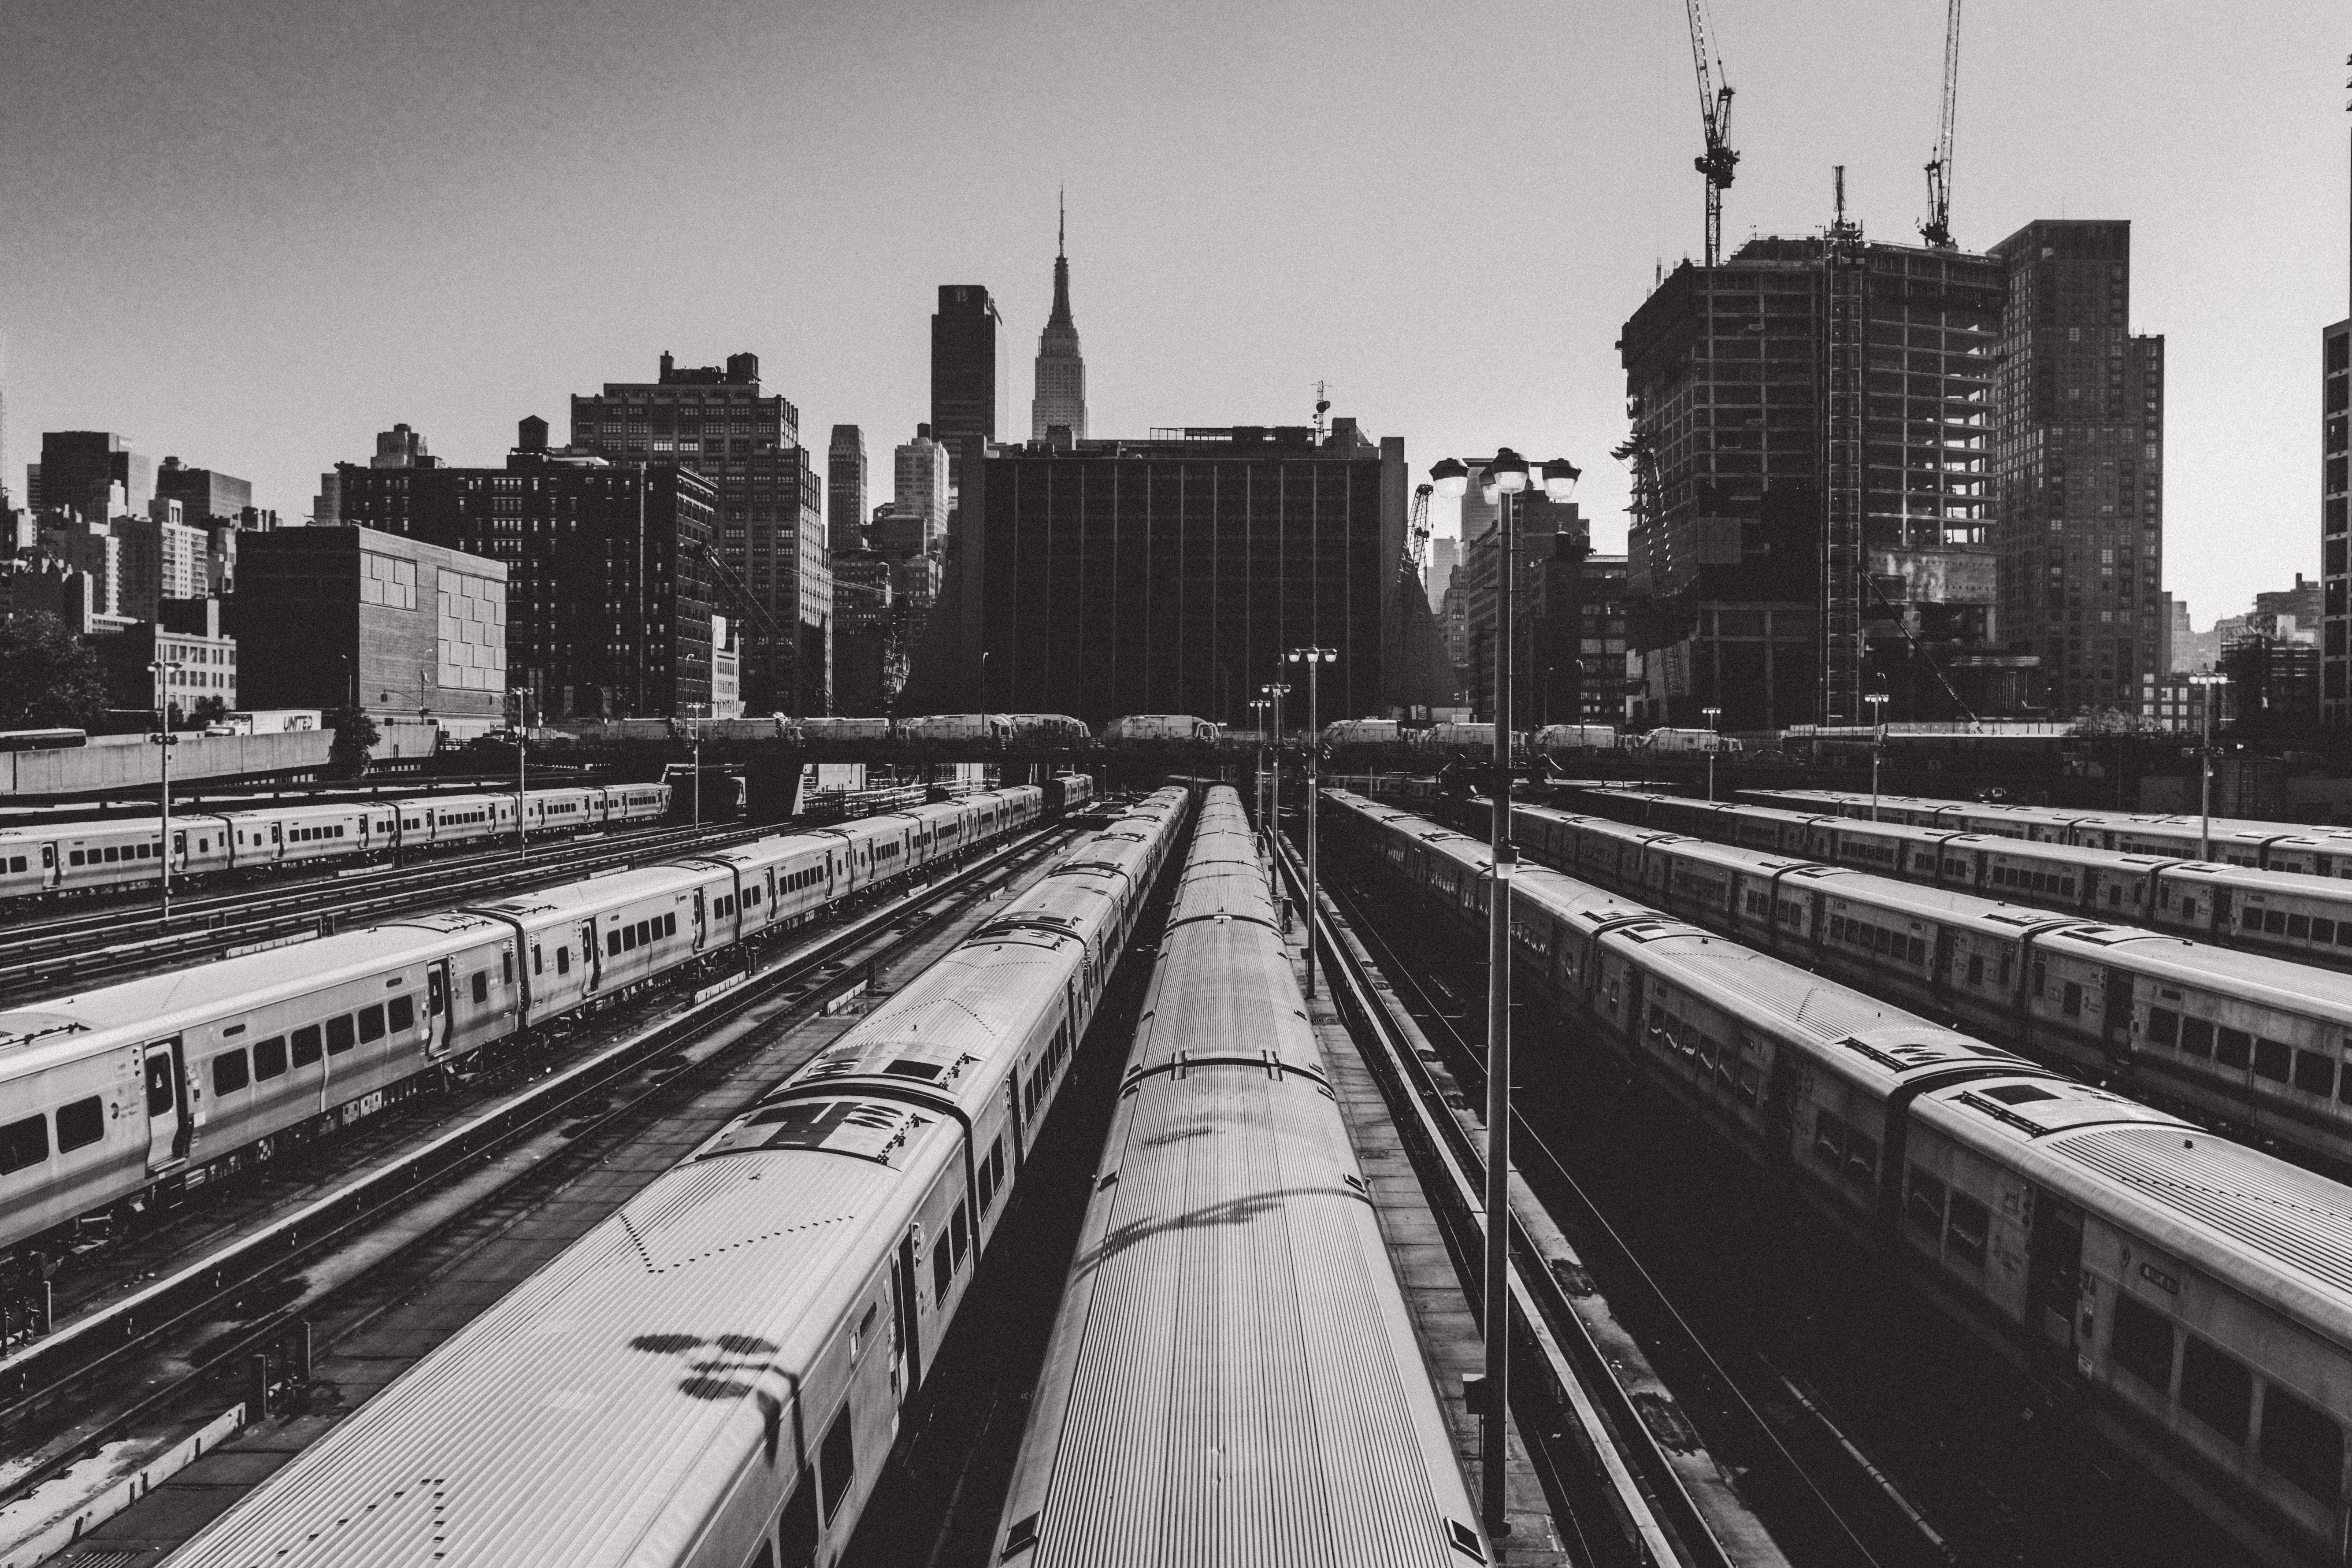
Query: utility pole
column 1314, row 659
column 165, row 739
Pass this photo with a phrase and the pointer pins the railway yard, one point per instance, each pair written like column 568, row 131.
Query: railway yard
column 977, row 1182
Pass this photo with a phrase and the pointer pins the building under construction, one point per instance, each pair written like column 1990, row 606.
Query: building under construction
column 1811, row 425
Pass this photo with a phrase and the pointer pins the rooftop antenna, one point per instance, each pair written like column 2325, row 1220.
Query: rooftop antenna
column 1061, row 223
column 1322, row 406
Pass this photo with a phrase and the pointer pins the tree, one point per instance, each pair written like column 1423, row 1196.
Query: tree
column 209, row 709
column 48, row 677
column 354, row 735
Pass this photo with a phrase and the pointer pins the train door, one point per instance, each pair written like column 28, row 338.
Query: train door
column 2115, row 1022
column 701, row 920
column 1939, row 978
column 51, row 864
column 2053, row 1272
column 277, row 840
column 168, row 1131
column 436, row 1007
column 1013, row 1119
column 906, row 1322
column 2220, row 922
column 179, row 849
column 593, row 953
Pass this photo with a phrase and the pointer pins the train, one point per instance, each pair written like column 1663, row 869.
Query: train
column 70, row 857
column 1233, row 1363
column 2287, row 913
column 2237, row 841
column 715, row 1374
column 129, row 1094
column 2186, row 1296
column 1672, row 740
column 1577, row 738
column 1362, row 732
column 1159, row 727
column 2244, row 1039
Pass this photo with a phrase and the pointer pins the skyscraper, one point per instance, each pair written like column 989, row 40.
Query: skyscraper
column 80, row 468
column 964, row 371
column 2335, row 491
column 845, row 493
column 917, row 521
column 771, row 567
column 2078, row 461
column 1061, row 400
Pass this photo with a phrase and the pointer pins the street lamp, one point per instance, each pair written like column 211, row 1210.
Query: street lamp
column 1877, row 701
column 1507, row 475
column 2212, row 683
column 522, row 723
column 1260, row 706
column 1314, row 659
column 1275, row 691
column 1712, row 715
column 164, row 668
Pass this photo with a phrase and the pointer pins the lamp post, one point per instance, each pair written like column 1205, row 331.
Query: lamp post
column 1712, row 715
column 984, row 685
column 163, row 669
column 522, row 724
column 1260, row 706
column 2211, row 684
column 1877, row 701
column 1505, row 477
column 1275, row 692
column 1314, row 659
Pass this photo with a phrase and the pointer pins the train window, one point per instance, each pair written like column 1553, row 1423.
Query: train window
column 2299, row 927
column 2250, row 918
column 2315, row 1072
column 506, row 967
column 112, row 855
column 270, row 1057
column 229, row 1072
column 1971, row 1223
column 74, row 858
column 16, row 862
column 341, row 1035
column 2344, row 929
column 563, row 959
column 80, row 1124
column 942, row 1271
column 2323, row 931
column 372, row 1021
column 2197, row 1037
column 2216, row 1388
column 2274, row 923
column 837, row 1461
column 2141, row 1344
column 2163, row 1026
column 2233, row 1047
column 481, row 984
column 2300, row 1441
column 1861, row 1160
column 159, row 1081
column 2272, row 1059
column 22, row 1143
column 629, row 939
column 2072, row 1005
column 306, row 1045
column 959, row 1232
column 670, row 923
column 613, row 942
column 536, row 965
column 1976, row 969
column 1926, row 1207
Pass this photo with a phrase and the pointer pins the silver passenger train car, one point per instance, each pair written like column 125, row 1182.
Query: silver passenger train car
column 1310, row 1420
column 2291, row 912
column 714, row 1376
column 2191, row 1296
column 2261, row 1044
column 67, row 857
column 117, row 1096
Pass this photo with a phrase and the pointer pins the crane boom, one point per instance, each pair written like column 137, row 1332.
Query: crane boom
column 1718, row 163
column 1938, row 230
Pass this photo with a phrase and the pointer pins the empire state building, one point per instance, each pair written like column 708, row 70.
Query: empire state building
column 1060, row 397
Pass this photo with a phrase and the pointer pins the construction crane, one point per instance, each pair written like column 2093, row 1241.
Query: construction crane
column 1416, row 545
column 1938, row 230
column 1718, row 162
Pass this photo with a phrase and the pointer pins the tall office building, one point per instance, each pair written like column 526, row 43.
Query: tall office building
column 965, row 369
column 2078, row 463
column 94, row 473
column 917, row 524
column 771, row 567
column 606, row 610
column 2335, row 574
column 1445, row 556
column 204, row 494
column 1811, row 419
column 1167, row 576
column 1059, row 409
column 844, row 489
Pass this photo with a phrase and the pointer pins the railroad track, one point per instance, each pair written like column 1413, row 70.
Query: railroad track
column 1836, row 1519
column 33, row 963
column 142, row 1357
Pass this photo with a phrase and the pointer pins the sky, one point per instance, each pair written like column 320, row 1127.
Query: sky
column 253, row 234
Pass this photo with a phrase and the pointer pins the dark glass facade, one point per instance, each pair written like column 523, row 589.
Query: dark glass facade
column 964, row 370
column 2335, row 495
column 1168, row 576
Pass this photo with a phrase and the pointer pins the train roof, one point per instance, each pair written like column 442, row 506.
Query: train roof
column 601, row 1412
column 38, row 1035
column 598, row 893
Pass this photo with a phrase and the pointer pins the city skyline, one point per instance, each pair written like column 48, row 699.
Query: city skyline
column 317, row 298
